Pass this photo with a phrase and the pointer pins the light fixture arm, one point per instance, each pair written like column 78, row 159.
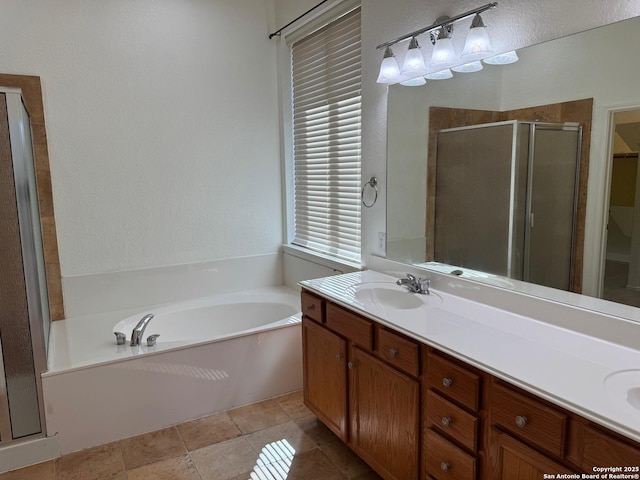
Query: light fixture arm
column 439, row 24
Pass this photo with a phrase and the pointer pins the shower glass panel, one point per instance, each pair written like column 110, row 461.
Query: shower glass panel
column 24, row 312
column 505, row 199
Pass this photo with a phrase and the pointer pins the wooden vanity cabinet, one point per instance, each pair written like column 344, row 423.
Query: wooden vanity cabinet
column 412, row 412
column 325, row 376
column 347, row 356
column 384, row 416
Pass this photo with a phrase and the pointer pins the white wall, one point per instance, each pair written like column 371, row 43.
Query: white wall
column 162, row 122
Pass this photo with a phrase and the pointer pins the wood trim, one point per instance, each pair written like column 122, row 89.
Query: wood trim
column 32, row 94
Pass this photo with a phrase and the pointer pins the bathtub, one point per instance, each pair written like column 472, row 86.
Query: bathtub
column 212, row 354
column 216, row 317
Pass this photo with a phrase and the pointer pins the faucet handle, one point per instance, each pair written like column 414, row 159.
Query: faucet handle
column 121, row 338
column 423, row 285
column 151, row 339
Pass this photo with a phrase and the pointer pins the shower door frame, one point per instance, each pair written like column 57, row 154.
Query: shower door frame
column 21, row 145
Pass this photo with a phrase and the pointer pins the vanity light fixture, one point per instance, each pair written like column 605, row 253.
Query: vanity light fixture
column 470, row 67
column 389, row 70
column 415, row 70
column 413, row 61
column 502, row 59
column 414, row 82
column 444, row 55
column 477, row 45
column 440, row 75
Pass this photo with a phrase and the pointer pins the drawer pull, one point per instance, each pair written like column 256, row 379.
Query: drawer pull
column 311, row 306
column 339, row 357
column 351, row 365
column 444, row 466
column 447, row 382
column 521, row 421
column 446, row 421
column 393, row 352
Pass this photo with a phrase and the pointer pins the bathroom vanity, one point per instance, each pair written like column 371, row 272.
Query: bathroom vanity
column 436, row 386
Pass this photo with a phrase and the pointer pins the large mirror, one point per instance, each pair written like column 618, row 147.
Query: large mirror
column 590, row 79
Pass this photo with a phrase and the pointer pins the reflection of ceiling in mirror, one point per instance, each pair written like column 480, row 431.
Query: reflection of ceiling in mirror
column 551, row 72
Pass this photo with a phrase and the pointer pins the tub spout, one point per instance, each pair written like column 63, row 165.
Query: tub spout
column 138, row 330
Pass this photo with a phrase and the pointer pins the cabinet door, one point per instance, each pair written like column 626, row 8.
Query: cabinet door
column 384, row 416
column 325, row 376
column 514, row 460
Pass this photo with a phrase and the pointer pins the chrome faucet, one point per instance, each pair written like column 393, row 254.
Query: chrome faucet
column 415, row 285
column 138, row 330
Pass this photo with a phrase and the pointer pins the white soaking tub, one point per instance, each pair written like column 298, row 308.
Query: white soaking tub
column 213, row 353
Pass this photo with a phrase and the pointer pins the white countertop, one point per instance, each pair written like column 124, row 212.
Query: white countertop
column 565, row 367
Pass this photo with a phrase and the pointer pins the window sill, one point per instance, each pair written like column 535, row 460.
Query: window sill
column 341, row 266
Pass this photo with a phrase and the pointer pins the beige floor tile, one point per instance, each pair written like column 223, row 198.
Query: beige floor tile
column 293, row 404
column 97, row 463
column 258, row 416
column 225, row 460
column 152, row 447
column 313, row 464
column 344, row 458
column 208, row 430
column 286, row 436
column 41, row 471
column 316, row 430
column 180, row 468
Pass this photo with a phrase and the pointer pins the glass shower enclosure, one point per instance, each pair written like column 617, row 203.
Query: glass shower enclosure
column 505, row 200
column 24, row 306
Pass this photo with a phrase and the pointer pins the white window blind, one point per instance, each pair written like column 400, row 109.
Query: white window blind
column 326, row 138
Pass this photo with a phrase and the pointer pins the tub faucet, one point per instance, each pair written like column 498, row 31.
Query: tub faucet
column 138, row 330
column 415, row 285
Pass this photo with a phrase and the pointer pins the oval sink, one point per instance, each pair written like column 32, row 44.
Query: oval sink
column 393, row 296
column 624, row 385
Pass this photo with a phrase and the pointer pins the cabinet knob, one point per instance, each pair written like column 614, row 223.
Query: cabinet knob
column 521, row 421
column 444, row 466
column 447, row 382
column 339, row 357
column 311, row 306
column 446, row 421
column 351, row 365
column 393, row 352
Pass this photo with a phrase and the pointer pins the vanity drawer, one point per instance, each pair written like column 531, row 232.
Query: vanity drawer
column 399, row 351
column 312, row 306
column 452, row 420
column 529, row 419
column 355, row 328
column 453, row 381
column 443, row 460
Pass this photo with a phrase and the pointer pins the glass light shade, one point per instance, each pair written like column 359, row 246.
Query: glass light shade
column 502, row 59
column 477, row 45
column 444, row 55
column 441, row 75
column 414, row 82
column 474, row 66
column 413, row 60
column 389, row 69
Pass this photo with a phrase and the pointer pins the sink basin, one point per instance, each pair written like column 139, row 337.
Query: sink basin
column 624, row 387
column 390, row 295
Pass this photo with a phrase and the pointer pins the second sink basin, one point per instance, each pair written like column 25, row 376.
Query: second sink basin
column 624, row 387
column 390, row 295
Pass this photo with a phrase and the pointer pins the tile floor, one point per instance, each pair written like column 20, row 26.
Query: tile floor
column 272, row 440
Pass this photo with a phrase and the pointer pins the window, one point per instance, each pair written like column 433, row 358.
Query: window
column 326, row 98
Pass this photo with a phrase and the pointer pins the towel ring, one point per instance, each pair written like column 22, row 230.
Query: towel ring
column 373, row 183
